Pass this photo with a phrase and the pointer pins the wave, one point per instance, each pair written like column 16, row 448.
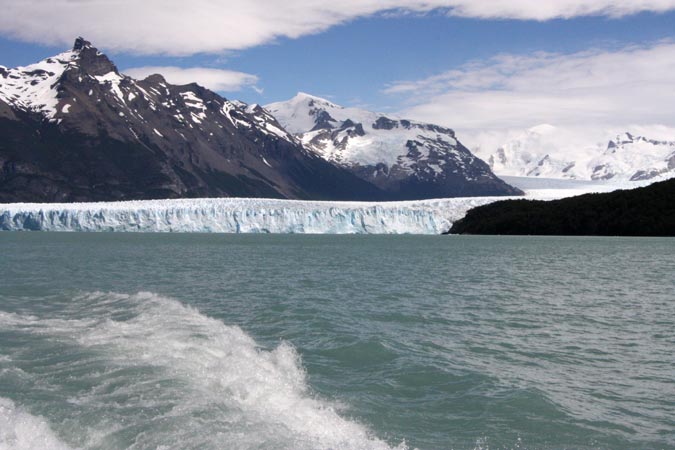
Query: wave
column 155, row 373
column 20, row 430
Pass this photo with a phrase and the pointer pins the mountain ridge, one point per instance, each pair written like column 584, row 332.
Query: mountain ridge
column 75, row 129
column 406, row 157
column 542, row 151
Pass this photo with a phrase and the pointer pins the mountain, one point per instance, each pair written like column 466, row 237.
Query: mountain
column 409, row 160
column 646, row 211
column 73, row 128
column 637, row 158
column 541, row 152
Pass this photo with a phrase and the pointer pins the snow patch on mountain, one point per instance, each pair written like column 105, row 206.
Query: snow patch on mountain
column 34, row 87
column 298, row 114
column 267, row 123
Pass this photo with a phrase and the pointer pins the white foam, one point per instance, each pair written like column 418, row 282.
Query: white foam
column 20, row 430
column 209, row 384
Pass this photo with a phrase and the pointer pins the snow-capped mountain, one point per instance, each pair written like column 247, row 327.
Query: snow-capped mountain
column 410, row 160
column 635, row 158
column 543, row 152
column 72, row 127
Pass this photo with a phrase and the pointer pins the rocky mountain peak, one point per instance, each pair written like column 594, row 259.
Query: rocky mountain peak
column 313, row 100
column 324, row 121
column 155, row 78
column 90, row 60
column 80, row 43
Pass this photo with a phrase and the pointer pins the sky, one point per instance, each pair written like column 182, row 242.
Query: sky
column 484, row 67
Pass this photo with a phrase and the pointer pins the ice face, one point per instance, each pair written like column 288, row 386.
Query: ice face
column 242, row 216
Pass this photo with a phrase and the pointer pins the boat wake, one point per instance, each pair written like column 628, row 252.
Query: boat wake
column 144, row 371
column 20, row 430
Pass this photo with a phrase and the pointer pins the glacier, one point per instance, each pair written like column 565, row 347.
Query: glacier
column 238, row 215
column 255, row 215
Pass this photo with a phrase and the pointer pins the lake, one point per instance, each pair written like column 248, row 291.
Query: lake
column 205, row 341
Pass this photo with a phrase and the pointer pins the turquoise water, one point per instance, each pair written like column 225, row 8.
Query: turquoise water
column 112, row 341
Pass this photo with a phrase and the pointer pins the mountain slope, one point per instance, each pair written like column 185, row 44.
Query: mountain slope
column 409, row 160
column 543, row 152
column 72, row 128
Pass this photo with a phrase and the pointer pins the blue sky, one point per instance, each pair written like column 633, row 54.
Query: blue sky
column 352, row 63
column 412, row 58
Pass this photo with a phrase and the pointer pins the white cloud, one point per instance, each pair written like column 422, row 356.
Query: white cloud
column 553, row 9
column 214, row 79
column 569, row 143
column 178, row 27
column 631, row 86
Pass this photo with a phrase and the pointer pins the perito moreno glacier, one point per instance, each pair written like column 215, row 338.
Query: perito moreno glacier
column 236, row 215
column 255, row 215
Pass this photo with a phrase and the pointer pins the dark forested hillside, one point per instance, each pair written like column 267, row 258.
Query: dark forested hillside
column 648, row 211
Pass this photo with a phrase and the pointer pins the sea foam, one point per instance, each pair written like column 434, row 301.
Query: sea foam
column 168, row 376
column 20, row 430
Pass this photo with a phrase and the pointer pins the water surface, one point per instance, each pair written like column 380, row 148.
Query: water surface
column 112, row 341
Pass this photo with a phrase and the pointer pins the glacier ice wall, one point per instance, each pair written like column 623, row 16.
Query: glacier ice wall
column 236, row 215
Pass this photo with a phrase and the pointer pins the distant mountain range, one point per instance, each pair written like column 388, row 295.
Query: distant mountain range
column 408, row 159
column 627, row 157
column 73, row 128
